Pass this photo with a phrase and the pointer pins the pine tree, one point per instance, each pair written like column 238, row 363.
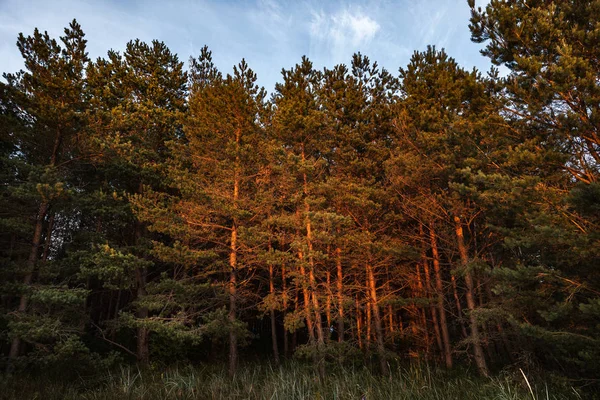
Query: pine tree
column 551, row 97
column 214, row 172
column 48, row 102
column 137, row 98
column 550, row 49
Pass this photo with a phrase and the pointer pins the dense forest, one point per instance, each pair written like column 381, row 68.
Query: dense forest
column 154, row 213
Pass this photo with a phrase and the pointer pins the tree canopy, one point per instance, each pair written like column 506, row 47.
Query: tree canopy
column 153, row 214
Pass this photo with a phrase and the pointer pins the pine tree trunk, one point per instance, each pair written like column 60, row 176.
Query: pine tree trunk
column 296, row 307
column 273, row 322
column 286, row 346
column 340, row 294
column 311, row 275
column 358, row 324
column 318, row 324
column 143, row 335
column 377, row 317
column 232, row 302
column 463, row 328
column 436, row 328
column 15, row 346
column 475, row 337
column 389, row 312
column 233, row 356
column 143, row 339
column 440, row 297
column 368, row 319
column 306, row 298
column 390, row 321
column 328, row 307
column 232, row 317
column 305, row 292
column 48, row 241
column 428, row 291
column 421, row 311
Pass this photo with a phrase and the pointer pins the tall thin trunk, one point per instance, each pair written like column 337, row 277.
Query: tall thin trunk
column 15, row 346
column 440, row 297
column 421, row 310
column 358, row 323
column 390, row 320
column 311, row 274
column 475, row 337
column 428, row 290
column 232, row 316
column 413, row 311
column 233, row 356
column 376, row 316
column 286, row 346
column 143, row 334
column 313, row 282
column 484, row 327
column 340, row 294
column 463, row 328
column 328, row 306
column 318, row 324
column 306, row 298
column 436, row 328
column 368, row 321
column 389, row 312
column 296, row 307
column 273, row 322
column 400, row 324
column 48, row 240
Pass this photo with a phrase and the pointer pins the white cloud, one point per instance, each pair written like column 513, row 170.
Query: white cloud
column 343, row 32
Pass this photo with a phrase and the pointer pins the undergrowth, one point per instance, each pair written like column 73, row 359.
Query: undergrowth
column 291, row 381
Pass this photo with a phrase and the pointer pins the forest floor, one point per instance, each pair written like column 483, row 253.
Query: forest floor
column 292, row 381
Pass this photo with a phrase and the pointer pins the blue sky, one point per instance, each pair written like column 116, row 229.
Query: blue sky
column 269, row 34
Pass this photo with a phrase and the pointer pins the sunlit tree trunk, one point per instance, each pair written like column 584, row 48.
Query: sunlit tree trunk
column 286, row 345
column 311, row 274
column 389, row 312
column 440, row 297
column 358, row 323
column 340, row 294
column 369, row 310
column 272, row 312
column 475, row 336
column 422, row 317
column 428, row 289
column 377, row 318
column 233, row 264
column 328, row 306
column 306, row 298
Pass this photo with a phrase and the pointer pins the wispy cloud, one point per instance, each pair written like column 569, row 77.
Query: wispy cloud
column 342, row 33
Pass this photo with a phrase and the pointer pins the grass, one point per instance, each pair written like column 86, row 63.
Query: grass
column 292, row 381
